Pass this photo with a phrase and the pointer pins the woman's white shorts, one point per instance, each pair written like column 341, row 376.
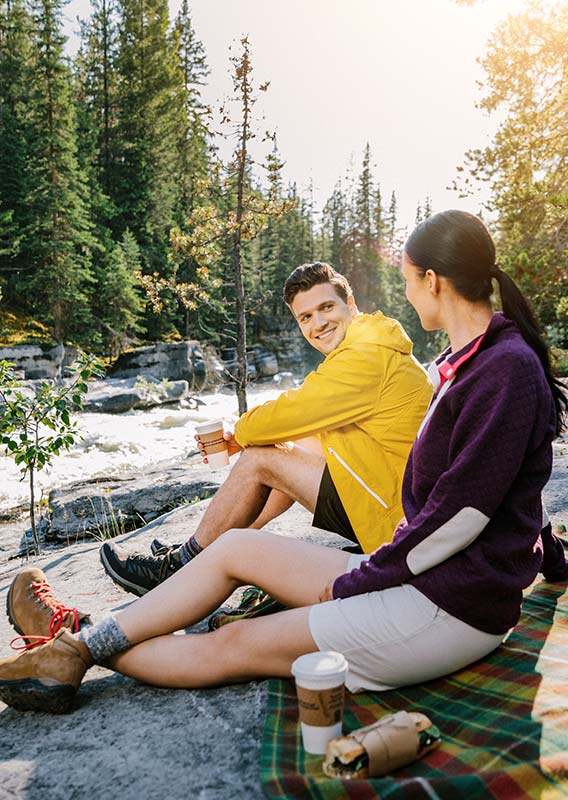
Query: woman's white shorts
column 395, row 637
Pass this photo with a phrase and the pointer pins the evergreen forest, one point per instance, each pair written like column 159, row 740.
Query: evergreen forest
column 120, row 223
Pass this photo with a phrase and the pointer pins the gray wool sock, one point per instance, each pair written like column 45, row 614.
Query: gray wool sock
column 105, row 639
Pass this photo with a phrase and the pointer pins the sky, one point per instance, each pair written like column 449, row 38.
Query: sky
column 399, row 74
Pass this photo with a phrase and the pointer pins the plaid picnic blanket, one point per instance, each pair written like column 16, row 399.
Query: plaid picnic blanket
column 504, row 723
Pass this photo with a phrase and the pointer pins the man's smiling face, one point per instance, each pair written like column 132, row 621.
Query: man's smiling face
column 323, row 316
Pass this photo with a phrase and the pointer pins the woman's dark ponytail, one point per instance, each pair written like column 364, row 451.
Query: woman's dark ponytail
column 516, row 308
column 458, row 246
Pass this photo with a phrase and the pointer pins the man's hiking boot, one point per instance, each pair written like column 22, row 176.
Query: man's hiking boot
column 160, row 548
column 34, row 610
column 135, row 572
column 45, row 677
column 255, row 602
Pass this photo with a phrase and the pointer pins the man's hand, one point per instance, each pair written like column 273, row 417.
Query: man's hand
column 327, row 593
column 228, row 436
column 234, row 446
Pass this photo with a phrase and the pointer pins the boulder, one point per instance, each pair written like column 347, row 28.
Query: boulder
column 36, row 361
column 214, row 369
column 103, row 507
column 282, row 336
column 285, row 380
column 115, row 396
column 266, row 364
column 181, row 361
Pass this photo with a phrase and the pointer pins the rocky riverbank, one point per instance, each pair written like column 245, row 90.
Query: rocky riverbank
column 124, row 739
column 132, row 741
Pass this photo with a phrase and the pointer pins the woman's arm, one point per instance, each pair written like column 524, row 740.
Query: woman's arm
column 487, row 446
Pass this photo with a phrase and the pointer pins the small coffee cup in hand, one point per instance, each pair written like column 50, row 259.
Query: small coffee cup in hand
column 212, row 443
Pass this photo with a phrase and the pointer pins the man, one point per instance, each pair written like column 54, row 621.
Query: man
column 338, row 444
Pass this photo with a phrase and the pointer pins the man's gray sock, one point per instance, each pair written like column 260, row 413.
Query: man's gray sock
column 105, row 639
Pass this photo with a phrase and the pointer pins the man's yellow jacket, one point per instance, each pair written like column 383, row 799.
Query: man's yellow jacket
column 365, row 401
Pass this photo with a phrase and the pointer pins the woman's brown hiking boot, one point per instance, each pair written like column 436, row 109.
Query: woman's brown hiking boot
column 45, row 677
column 34, row 610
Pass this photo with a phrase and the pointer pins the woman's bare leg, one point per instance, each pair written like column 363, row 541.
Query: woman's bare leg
column 241, row 651
column 292, row 571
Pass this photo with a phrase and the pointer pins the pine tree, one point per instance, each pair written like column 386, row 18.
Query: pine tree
column 419, row 216
column 96, row 102
column 144, row 187
column 379, row 218
column 193, row 143
column 230, row 222
column 335, row 224
column 8, row 238
column 97, row 80
column 15, row 85
column 295, row 247
column 391, row 230
column 360, row 252
column 307, row 213
column 117, row 301
column 270, row 240
column 57, row 240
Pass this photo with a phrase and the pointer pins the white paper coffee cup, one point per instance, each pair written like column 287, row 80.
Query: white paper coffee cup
column 216, row 448
column 320, row 684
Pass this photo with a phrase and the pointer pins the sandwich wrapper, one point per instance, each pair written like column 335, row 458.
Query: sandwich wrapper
column 390, row 743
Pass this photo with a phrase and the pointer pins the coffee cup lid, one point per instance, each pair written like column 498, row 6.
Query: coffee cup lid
column 322, row 664
column 209, row 427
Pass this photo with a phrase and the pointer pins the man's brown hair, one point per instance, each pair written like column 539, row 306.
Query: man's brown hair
column 306, row 276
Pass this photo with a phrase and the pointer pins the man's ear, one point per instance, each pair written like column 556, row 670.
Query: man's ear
column 352, row 307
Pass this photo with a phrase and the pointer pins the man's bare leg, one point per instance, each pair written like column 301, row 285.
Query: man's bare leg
column 291, row 471
column 278, row 502
column 294, row 471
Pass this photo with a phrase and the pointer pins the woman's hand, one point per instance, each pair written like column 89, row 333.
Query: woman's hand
column 228, row 436
column 327, row 593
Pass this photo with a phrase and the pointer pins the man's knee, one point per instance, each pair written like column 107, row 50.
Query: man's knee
column 265, row 462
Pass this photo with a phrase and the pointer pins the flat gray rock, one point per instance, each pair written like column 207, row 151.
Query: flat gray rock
column 134, row 742
column 116, row 396
column 124, row 739
column 103, row 506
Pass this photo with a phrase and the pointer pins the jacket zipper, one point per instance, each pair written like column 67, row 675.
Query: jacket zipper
column 357, row 478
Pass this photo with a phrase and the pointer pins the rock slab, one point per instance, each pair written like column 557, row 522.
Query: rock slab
column 178, row 361
column 116, row 396
column 36, row 361
column 124, row 739
column 105, row 506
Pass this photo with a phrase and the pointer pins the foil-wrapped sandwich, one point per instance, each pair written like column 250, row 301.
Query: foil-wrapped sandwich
column 388, row 744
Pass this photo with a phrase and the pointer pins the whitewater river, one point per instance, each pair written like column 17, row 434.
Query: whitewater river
column 122, row 444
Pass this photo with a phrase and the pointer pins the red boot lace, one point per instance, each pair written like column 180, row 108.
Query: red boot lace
column 60, row 612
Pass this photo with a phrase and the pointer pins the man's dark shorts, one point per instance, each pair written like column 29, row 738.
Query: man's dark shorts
column 330, row 514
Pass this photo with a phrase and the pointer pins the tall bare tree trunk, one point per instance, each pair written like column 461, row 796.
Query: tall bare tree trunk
column 241, row 378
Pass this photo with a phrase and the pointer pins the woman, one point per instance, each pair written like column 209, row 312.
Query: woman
column 448, row 588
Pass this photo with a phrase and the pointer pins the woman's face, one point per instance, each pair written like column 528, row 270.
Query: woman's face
column 421, row 293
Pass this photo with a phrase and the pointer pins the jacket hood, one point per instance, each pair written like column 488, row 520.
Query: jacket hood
column 389, row 332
